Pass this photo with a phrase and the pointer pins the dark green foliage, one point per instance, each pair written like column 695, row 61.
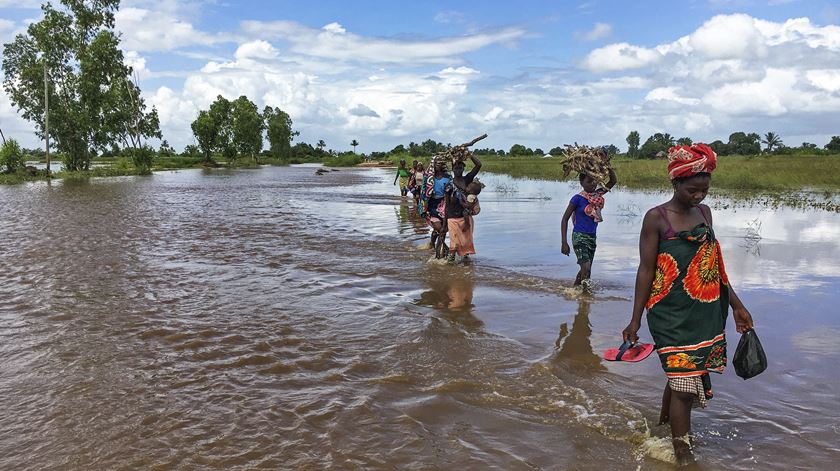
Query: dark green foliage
column 247, row 127
column 633, row 141
column 656, row 145
column 834, row 144
column 280, row 134
column 772, row 140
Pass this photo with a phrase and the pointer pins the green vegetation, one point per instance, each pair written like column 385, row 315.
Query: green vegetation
column 11, row 157
column 752, row 173
column 344, row 160
column 75, row 50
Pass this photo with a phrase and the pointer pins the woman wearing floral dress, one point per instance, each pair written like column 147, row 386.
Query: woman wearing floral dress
column 682, row 282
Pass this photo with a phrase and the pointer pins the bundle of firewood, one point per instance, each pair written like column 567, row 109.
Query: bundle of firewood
column 460, row 152
column 593, row 161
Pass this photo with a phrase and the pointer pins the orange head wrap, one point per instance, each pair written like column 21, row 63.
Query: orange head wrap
column 686, row 161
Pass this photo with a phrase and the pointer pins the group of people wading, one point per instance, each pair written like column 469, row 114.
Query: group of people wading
column 681, row 281
column 446, row 201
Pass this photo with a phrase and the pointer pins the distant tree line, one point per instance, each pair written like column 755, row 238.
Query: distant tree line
column 739, row 143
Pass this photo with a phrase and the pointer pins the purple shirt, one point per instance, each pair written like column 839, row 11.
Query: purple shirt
column 583, row 223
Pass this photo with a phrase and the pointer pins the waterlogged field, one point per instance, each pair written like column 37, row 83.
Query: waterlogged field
column 275, row 318
column 746, row 173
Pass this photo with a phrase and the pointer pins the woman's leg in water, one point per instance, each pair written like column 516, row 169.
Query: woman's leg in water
column 679, row 415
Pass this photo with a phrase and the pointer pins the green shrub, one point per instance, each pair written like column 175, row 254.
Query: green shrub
column 11, row 157
column 143, row 158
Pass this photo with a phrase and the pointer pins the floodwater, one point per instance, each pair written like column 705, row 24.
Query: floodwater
column 275, row 319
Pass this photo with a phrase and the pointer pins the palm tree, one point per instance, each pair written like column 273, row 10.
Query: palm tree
column 772, row 140
column 321, row 144
column 354, row 144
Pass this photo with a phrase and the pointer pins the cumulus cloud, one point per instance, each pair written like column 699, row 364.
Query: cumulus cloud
column 620, row 56
column 734, row 71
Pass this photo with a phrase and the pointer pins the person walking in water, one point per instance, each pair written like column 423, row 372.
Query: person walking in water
column 683, row 284
column 460, row 210
column 585, row 211
column 432, row 201
column 402, row 175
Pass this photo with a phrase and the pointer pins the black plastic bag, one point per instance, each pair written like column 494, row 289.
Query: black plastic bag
column 749, row 359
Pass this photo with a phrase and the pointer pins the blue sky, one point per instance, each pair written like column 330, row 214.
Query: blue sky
column 538, row 73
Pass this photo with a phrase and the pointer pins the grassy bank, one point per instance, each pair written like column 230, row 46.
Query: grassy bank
column 748, row 173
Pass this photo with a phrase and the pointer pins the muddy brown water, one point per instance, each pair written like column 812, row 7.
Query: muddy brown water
column 275, row 319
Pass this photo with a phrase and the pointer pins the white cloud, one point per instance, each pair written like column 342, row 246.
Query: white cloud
column 826, row 79
column 599, row 31
column 620, row 56
column 735, row 72
column 334, row 42
column 155, row 30
column 33, row 4
column 690, row 122
column 255, row 51
column 729, row 37
column 669, row 94
column 773, row 95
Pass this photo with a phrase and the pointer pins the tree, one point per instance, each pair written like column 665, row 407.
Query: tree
column 684, row 141
column 221, row 112
column 93, row 101
column 772, row 140
column 719, row 147
column 518, row 149
column 539, row 151
column 165, row 149
column 430, row 147
column 280, row 134
column 659, row 142
column 633, row 144
column 741, row 143
column 321, row 145
column 556, row 151
column 191, row 150
column 206, row 132
column 11, row 157
column 834, row 144
column 610, row 149
column 354, row 143
column 246, row 128
column 400, row 149
column 416, row 150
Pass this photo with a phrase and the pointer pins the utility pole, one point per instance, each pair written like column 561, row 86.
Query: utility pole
column 47, row 116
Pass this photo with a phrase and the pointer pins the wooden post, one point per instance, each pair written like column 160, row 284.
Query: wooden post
column 47, row 117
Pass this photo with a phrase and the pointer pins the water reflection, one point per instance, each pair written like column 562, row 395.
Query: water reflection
column 408, row 221
column 451, row 292
column 574, row 347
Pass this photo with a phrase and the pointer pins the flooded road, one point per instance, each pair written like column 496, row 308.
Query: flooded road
column 275, row 319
